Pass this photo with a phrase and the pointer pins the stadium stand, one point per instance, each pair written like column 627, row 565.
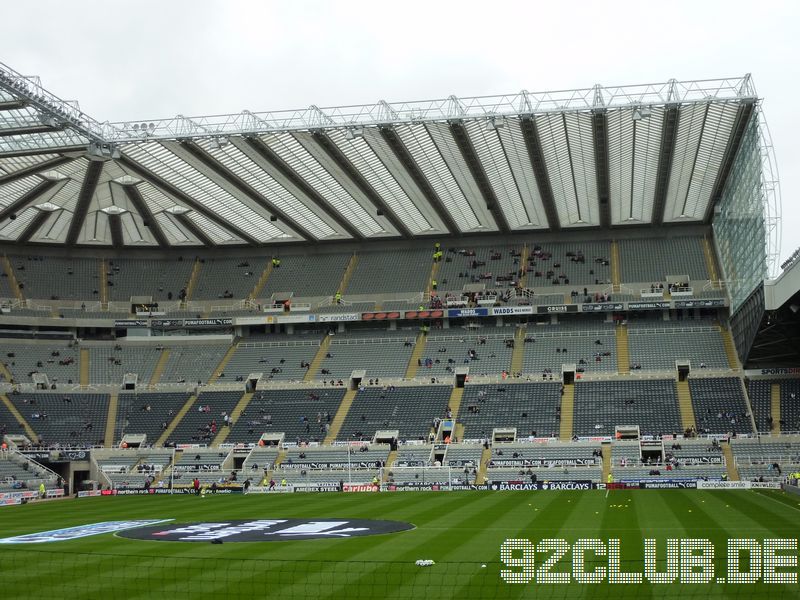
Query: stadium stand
column 9, row 424
column 310, row 275
column 386, row 273
column 260, row 459
column 485, row 350
column 17, row 473
column 57, row 278
column 532, row 408
column 460, row 268
column 161, row 279
column 657, row 346
column 206, row 416
column 652, row 260
column 759, row 392
column 60, row 362
column 720, row 405
column 148, row 413
column 650, row 404
column 222, row 278
column 292, row 412
column 388, row 357
column 193, row 363
column 362, row 457
column 790, row 407
column 68, row 419
column 276, row 362
column 409, row 410
column 767, row 459
column 108, row 364
column 413, row 455
column 576, row 264
column 592, row 346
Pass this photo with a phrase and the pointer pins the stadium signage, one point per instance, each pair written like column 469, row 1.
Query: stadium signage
column 130, row 323
column 338, row 318
column 380, row 316
column 737, row 485
column 504, row 486
column 296, row 319
column 81, row 531
column 267, row 530
column 360, row 487
column 197, row 467
column 541, row 462
column 602, row 307
column 699, row 303
column 195, row 323
column 688, row 561
column 56, row 455
column 454, row 313
column 647, row 305
column 776, row 371
column 424, row 314
column 557, row 308
column 370, row 464
column 667, row 485
column 512, row 310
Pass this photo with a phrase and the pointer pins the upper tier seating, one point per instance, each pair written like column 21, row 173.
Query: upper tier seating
column 602, row 405
column 279, row 363
column 67, row 419
column 719, row 405
column 530, row 407
column 55, row 277
column 410, row 410
column 41, row 358
column 492, row 355
column 383, row 357
column 594, row 268
column 657, row 345
column 652, row 260
column 104, row 367
column 391, row 272
column 309, row 275
column 457, row 269
column 192, row 363
column 236, row 276
column 546, row 345
column 145, row 277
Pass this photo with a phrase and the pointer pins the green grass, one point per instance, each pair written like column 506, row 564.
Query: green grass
column 460, row 531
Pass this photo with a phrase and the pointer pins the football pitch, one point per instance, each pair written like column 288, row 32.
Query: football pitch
column 461, row 532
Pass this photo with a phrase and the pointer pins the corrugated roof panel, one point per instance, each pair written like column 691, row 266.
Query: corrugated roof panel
column 236, row 161
column 375, row 173
column 170, row 167
column 425, row 153
column 308, row 169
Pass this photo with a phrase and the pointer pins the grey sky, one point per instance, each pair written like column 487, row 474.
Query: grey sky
column 150, row 59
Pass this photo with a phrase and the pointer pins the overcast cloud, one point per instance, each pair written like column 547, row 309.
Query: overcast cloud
column 148, row 59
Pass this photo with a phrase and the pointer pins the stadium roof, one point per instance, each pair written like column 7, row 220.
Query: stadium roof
column 597, row 157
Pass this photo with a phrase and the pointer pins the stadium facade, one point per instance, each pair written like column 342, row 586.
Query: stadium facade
column 605, row 253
